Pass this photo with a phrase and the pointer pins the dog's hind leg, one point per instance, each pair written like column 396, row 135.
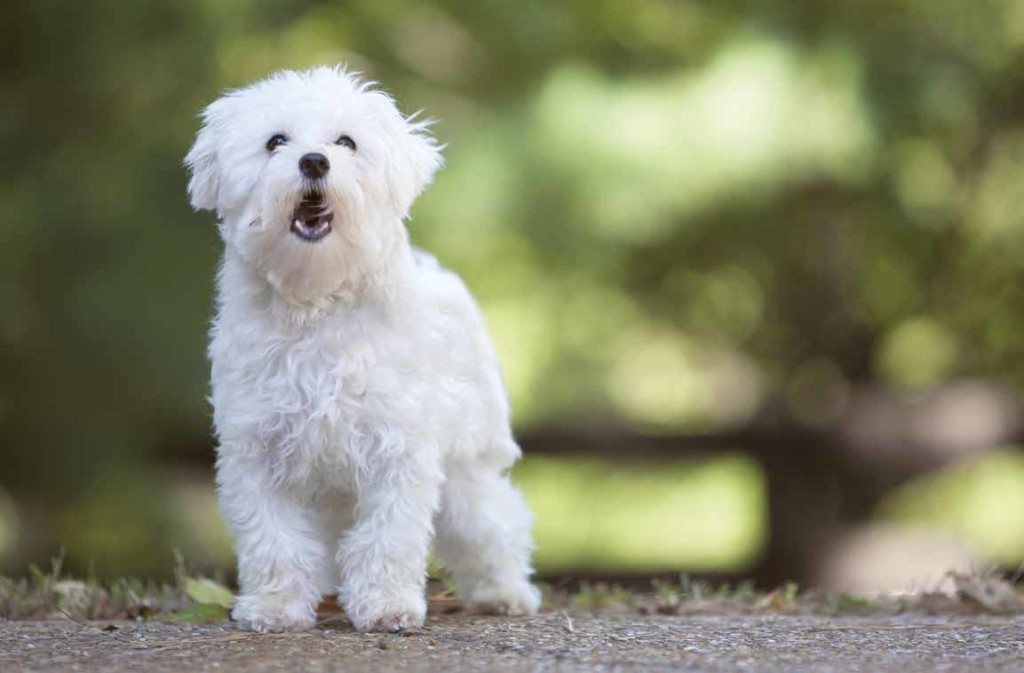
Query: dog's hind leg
column 483, row 538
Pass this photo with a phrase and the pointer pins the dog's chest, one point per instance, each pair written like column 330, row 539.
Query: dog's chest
column 318, row 402
column 329, row 397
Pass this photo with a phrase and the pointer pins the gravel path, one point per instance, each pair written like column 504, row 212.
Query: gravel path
column 549, row 642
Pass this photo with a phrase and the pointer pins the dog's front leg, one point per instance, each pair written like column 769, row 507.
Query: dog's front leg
column 279, row 552
column 383, row 557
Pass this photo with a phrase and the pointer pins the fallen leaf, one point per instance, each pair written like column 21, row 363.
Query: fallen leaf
column 200, row 613
column 991, row 594
column 204, row 590
column 776, row 601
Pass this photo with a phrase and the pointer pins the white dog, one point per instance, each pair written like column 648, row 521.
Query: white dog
column 358, row 402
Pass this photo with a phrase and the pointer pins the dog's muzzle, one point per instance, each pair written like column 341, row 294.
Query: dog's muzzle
column 312, row 219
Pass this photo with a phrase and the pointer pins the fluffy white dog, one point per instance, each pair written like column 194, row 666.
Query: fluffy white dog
column 358, row 402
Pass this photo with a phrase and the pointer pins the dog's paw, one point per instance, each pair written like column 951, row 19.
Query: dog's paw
column 512, row 599
column 395, row 622
column 388, row 615
column 273, row 613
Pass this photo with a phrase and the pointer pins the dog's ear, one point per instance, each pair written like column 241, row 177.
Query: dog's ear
column 201, row 160
column 413, row 155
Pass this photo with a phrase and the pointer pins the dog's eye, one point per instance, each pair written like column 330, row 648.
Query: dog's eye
column 276, row 141
column 347, row 142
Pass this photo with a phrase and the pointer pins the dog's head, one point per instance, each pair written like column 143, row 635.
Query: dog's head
column 311, row 174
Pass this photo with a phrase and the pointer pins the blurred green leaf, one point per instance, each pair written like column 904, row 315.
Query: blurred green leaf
column 200, row 613
column 207, row 591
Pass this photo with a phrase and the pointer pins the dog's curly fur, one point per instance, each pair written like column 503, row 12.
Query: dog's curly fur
column 358, row 402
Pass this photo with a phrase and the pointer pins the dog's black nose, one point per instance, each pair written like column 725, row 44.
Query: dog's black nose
column 314, row 165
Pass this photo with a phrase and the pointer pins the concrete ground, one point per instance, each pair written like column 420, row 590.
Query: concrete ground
column 549, row 642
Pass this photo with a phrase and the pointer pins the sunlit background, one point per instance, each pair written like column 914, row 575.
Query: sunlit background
column 755, row 270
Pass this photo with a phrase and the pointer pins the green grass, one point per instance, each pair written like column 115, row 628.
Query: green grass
column 46, row 594
column 43, row 594
column 977, row 593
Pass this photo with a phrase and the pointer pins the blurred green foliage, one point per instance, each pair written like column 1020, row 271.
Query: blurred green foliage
column 980, row 501
column 701, row 516
column 682, row 214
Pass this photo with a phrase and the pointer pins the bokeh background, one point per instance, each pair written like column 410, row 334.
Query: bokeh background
column 755, row 270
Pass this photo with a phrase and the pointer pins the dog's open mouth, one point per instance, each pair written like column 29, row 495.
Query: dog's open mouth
column 312, row 219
